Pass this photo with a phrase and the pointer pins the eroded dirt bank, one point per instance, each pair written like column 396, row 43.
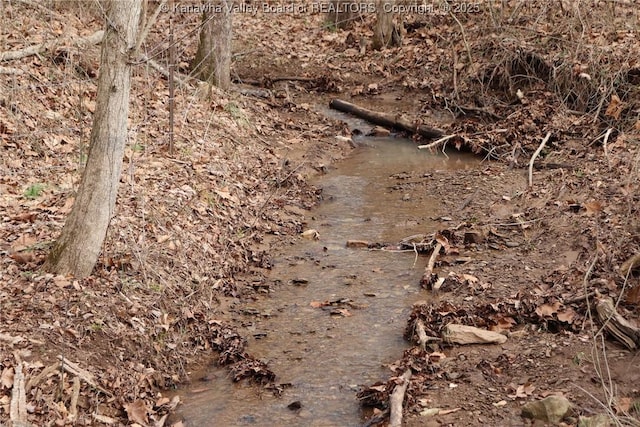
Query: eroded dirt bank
column 195, row 231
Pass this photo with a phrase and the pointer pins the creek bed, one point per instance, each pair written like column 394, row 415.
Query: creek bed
column 327, row 356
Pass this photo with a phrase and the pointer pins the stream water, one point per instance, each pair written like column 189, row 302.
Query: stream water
column 327, row 356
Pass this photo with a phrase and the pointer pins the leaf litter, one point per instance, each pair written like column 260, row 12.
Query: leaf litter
column 195, row 230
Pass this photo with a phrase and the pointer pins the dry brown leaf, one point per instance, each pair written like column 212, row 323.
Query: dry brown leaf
column 623, row 404
column 567, row 315
column 22, row 257
column 504, row 324
column 633, row 295
column 318, row 304
column 593, row 207
column 548, row 310
column 225, row 194
column 615, row 107
column 6, row 379
column 137, row 412
column 341, row 312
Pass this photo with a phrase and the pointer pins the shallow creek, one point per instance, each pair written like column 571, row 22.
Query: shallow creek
column 327, row 356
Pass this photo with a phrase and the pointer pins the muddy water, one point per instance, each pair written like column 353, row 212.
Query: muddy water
column 327, row 356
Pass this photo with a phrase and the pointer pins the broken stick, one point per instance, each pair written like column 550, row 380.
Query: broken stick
column 423, row 338
column 533, row 158
column 397, row 398
column 95, row 38
column 83, row 374
column 427, row 279
column 18, row 405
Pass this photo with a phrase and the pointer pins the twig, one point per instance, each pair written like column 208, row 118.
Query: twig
column 533, row 158
column 415, row 260
column 423, row 338
column 426, row 281
column 34, row 381
column 18, row 406
column 468, row 200
column 172, row 76
column 163, row 71
column 436, row 142
column 9, row 70
column 73, row 405
column 422, row 334
column 397, row 398
column 455, row 72
column 148, row 24
column 63, row 18
column 604, row 143
column 35, row 49
column 84, row 375
column 464, row 38
column 580, row 298
column 432, row 259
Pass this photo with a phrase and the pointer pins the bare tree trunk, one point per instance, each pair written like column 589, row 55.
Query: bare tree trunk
column 77, row 249
column 213, row 58
column 385, row 32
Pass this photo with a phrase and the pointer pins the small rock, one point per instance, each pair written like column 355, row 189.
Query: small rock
column 600, row 420
column 294, row 406
column 463, row 334
column 430, row 412
column 379, row 131
column 550, row 409
column 311, row 234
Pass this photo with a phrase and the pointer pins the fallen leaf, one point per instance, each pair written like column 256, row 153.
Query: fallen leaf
column 341, row 312
column 593, row 207
column 567, row 315
column 318, row 304
column 615, row 107
column 523, row 391
column 225, row 194
column 548, row 310
column 137, row 412
column 22, row 257
column 504, row 324
column 6, row 379
column 623, row 405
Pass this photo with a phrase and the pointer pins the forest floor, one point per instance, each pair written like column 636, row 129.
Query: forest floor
column 196, row 229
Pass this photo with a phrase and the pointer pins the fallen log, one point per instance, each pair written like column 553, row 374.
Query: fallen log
column 397, row 122
column 35, row 49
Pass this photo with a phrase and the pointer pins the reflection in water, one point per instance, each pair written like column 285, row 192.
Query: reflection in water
column 325, row 357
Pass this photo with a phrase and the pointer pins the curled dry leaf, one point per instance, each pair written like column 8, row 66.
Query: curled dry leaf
column 6, row 378
column 137, row 412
